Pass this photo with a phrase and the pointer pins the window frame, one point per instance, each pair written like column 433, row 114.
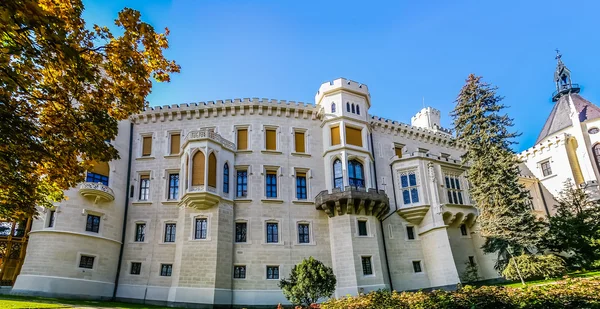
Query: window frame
column 358, row 227
column 244, row 184
column 306, row 233
column 226, row 174
column 304, row 132
column 202, row 233
column 137, row 234
column 170, row 144
column 173, row 189
column 275, row 129
column 51, row 218
column 239, row 274
column 277, row 267
column 546, row 168
column 417, row 267
column 409, row 189
column 96, row 178
column 143, row 136
column 367, row 271
column 138, row 268
column 464, row 230
column 410, row 230
column 271, row 183
column 85, row 265
column 338, row 182
column 301, row 188
column 455, row 192
column 353, row 181
column 144, row 190
column 172, row 234
column 93, row 228
column 277, row 232
column 235, row 237
column 166, row 269
column 237, row 137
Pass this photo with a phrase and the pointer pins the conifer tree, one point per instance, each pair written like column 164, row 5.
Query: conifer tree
column 505, row 215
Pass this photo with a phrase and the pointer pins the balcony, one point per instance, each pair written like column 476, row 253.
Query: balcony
column 207, row 133
column 353, row 200
column 97, row 191
column 200, row 197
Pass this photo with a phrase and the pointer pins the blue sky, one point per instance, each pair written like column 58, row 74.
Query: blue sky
column 403, row 50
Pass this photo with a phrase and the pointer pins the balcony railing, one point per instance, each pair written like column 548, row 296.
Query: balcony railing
column 201, row 197
column 96, row 190
column 353, row 200
column 208, row 134
column 565, row 89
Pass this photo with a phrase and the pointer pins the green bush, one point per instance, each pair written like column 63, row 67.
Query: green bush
column 535, row 267
column 571, row 293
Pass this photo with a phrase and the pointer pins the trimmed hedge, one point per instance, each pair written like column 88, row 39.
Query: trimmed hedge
column 571, row 293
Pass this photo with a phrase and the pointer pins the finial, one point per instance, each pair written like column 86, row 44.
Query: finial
column 558, row 55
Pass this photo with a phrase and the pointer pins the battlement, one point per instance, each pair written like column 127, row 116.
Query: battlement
column 228, row 102
column 438, row 135
column 343, row 84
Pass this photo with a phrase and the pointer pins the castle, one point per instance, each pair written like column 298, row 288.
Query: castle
column 212, row 203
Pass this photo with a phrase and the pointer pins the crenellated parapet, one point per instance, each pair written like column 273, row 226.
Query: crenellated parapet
column 220, row 108
column 441, row 137
column 545, row 145
column 343, row 84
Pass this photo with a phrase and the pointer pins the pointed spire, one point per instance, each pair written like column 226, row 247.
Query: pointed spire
column 562, row 78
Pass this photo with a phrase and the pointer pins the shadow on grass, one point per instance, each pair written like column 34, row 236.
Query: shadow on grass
column 12, row 301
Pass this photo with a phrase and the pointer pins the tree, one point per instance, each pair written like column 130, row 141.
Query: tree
column 308, row 281
column 63, row 88
column 505, row 215
column 575, row 228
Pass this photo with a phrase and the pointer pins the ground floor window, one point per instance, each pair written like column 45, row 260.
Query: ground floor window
column 136, row 268
column 272, row 272
column 86, row 262
column 166, row 270
column 239, row 272
column 366, row 265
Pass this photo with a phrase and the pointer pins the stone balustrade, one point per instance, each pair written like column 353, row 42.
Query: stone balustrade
column 353, row 200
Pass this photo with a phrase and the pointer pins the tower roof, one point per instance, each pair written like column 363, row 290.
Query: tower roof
column 560, row 116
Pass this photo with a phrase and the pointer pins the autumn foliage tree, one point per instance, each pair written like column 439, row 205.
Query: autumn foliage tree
column 63, row 88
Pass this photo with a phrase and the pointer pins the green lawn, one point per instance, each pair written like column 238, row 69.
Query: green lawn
column 14, row 302
column 587, row 274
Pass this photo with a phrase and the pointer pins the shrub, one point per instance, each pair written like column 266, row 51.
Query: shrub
column 308, row 281
column 471, row 273
column 535, row 267
column 571, row 293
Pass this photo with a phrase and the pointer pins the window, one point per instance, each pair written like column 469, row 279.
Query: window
column 463, row 230
column 140, row 232
column 198, row 165
column 272, row 232
column 242, row 183
column 357, row 109
column 417, row 266
column 366, row 265
column 212, row 170
column 271, row 139
column 335, row 135
column 338, row 178
column 301, row 186
column 146, row 146
column 454, row 190
column 94, row 177
column 272, row 272
column 409, row 187
column 299, row 142
column 86, row 261
column 353, row 110
column 362, row 228
column 354, row 136
column 136, row 268
column 546, row 169
column 271, row 184
column 348, row 107
column 175, row 143
column 239, row 272
column 166, row 270
column 144, row 187
column 51, row 218
column 596, row 151
column 170, row 229
column 200, row 229
column 173, row 186
column 92, row 224
column 398, row 151
column 472, row 261
column 226, row 178
column 242, row 139
column 333, row 107
column 241, row 229
column 410, row 232
column 303, row 233
column 355, row 174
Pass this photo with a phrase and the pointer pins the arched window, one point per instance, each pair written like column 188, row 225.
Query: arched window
column 226, row 178
column 348, row 107
column 356, row 176
column 357, row 109
column 596, row 150
column 333, row 107
column 338, row 176
column 98, row 173
column 198, row 169
column 212, row 170
column 353, row 111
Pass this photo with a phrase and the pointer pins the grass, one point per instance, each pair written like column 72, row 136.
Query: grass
column 587, row 274
column 14, row 302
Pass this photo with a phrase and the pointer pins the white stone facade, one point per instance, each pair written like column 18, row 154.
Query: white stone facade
column 397, row 214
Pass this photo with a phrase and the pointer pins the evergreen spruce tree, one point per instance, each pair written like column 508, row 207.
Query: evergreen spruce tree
column 505, row 215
